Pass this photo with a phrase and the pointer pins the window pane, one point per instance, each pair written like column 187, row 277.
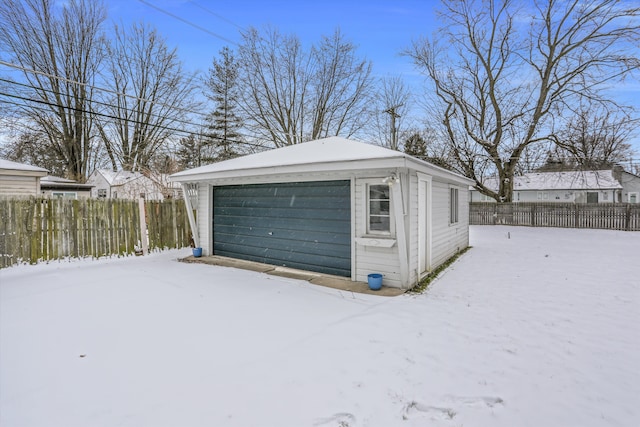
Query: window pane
column 378, row 207
column 379, row 223
column 379, row 192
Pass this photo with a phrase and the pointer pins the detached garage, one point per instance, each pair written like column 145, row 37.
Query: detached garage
column 333, row 206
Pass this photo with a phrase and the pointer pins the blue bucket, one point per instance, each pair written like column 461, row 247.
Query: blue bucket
column 197, row 252
column 375, row 281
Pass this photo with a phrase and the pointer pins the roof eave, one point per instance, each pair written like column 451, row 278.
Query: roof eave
column 401, row 161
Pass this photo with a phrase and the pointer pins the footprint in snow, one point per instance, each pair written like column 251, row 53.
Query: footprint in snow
column 416, row 409
column 342, row 419
column 413, row 409
column 488, row 401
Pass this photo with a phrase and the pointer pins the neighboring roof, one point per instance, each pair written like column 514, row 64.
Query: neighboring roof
column 571, row 180
column 57, row 179
column 55, row 182
column 15, row 166
column 325, row 151
column 120, row 177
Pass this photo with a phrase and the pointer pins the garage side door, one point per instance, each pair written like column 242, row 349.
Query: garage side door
column 299, row 225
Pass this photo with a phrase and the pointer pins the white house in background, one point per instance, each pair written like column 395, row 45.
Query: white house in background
column 130, row 185
column 333, row 206
column 630, row 185
column 53, row 186
column 560, row 187
column 19, row 179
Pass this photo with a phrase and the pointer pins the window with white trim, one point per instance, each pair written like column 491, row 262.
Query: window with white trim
column 65, row 194
column 379, row 209
column 453, row 205
column 102, row 193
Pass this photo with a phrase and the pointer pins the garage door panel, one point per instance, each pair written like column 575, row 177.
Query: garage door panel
column 303, row 202
column 322, row 263
column 284, row 190
column 320, row 236
column 288, row 224
column 308, row 248
column 309, row 213
column 300, row 225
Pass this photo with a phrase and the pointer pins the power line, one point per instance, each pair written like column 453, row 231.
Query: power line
column 217, row 15
column 197, row 113
column 182, row 131
column 92, row 101
column 159, row 9
column 53, row 76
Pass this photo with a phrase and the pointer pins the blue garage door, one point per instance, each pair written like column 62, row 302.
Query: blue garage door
column 299, row 225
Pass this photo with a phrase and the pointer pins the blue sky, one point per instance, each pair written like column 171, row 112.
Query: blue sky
column 381, row 29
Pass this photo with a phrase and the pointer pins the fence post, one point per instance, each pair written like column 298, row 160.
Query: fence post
column 533, row 215
column 627, row 218
column 143, row 226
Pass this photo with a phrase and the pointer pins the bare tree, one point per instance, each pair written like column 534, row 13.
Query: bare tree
column 391, row 118
column 499, row 85
column 292, row 95
column 59, row 50
column 341, row 85
column 595, row 138
column 150, row 99
column 32, row 148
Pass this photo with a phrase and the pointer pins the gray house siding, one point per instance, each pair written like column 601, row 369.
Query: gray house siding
column 630, row 188
column 19, row 185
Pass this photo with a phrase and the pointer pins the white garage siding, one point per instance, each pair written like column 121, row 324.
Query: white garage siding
column 336, row 158
column 371, row 258
column 412, row 226
column 448, row 238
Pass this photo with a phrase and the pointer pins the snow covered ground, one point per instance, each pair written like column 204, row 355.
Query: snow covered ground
column 531, row 327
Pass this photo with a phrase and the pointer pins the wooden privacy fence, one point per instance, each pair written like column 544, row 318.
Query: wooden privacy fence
column 610, row 216
column 40, row 229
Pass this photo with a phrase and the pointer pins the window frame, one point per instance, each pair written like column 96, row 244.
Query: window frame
column 64, row 194
column 391, row 232
column 454, row 205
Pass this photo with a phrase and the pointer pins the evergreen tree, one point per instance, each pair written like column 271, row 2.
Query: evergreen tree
column 224, row 136
column 416, row 146
column 189, row 152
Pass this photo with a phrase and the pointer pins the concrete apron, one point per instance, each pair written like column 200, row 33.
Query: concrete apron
column 335, row 282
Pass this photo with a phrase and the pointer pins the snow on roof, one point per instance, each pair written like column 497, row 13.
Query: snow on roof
column 9, row 165
column 57, row 179
column 327, row 150
column 120, row 177
column 571, row 180
column 52, row 182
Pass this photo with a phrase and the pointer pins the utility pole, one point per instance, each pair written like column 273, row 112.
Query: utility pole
column 394, row 132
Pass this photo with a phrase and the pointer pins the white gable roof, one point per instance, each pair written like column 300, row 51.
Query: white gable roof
column 570, row 180
column 15, row 166
column 325, row 151
column 120, row 177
